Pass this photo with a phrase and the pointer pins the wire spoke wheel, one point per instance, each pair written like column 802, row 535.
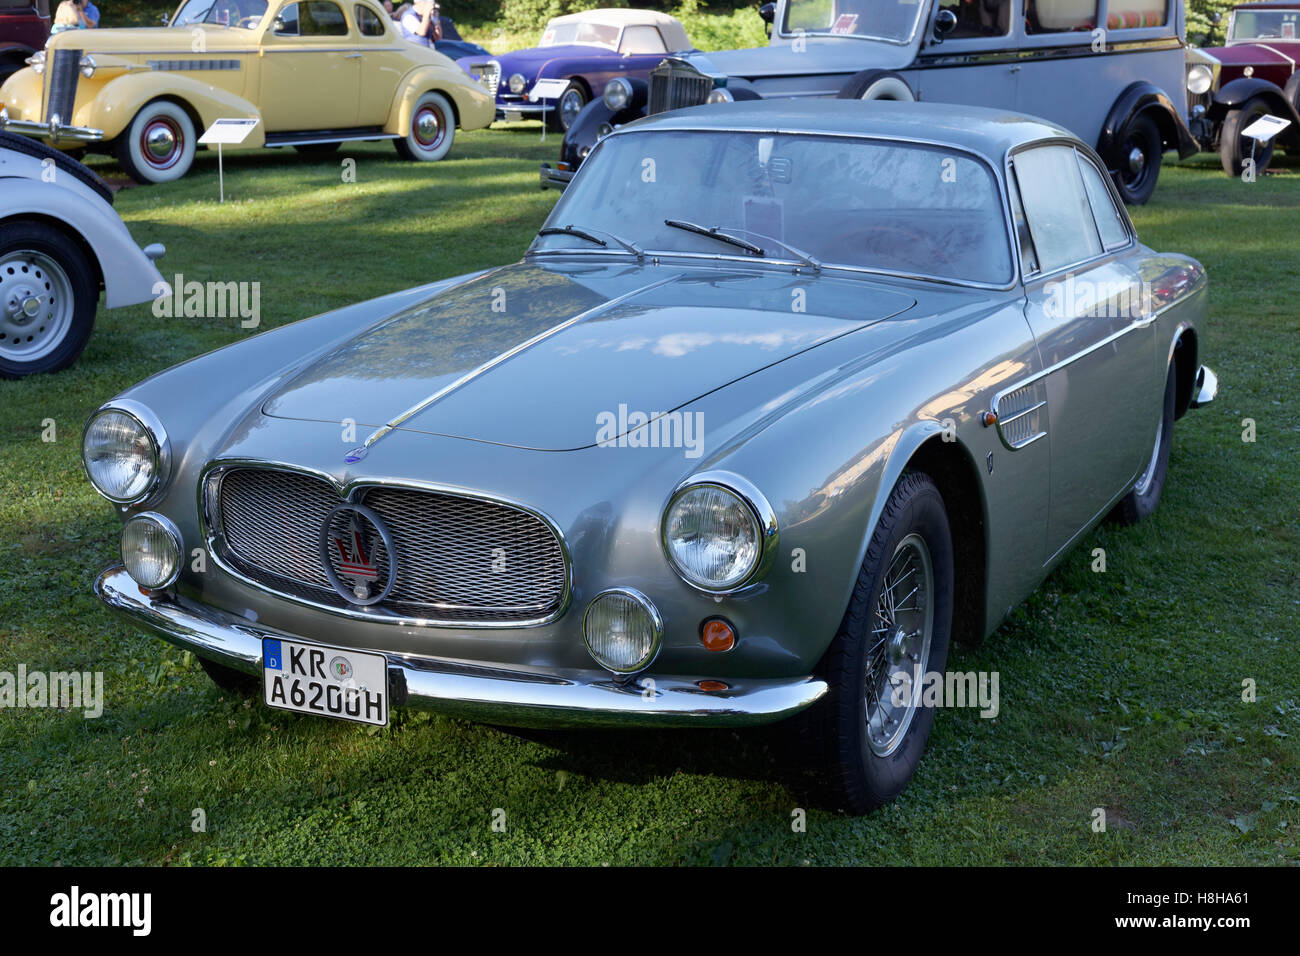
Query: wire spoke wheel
column 901, row 633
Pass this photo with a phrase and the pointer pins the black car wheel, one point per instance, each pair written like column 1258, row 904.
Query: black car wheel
column 1235, row 150
column 1137, row 160
column 48, row 297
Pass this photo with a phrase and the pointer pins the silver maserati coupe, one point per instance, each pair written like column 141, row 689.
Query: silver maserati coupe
column 782, row 399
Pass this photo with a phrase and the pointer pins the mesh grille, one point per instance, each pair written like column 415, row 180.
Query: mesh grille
column 673, row 90
column 458, row 559
column 62, row 72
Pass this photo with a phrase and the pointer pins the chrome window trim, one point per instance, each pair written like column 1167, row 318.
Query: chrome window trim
column 209, row 484
column 762, row 510
column 162, row 456
column 655, row 618
column 1007, row 224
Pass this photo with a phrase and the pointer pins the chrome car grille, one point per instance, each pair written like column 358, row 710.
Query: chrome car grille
column 488, row 75
column 459, row 559
column 1018, row 416
column 61, row 73
column 674, row 86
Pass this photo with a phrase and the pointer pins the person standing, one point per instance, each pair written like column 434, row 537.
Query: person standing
column 420, row 23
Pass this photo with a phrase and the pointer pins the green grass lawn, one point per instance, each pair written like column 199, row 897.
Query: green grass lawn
column 1120, row 690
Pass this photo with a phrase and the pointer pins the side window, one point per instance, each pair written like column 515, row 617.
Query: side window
column 642, row 39
column 1028, row 257
column 1110, row 222
column 368, row 21
column 286, row 21
column 1056, row 206
column 1129, row 14
column 979, row 18
column 321, row 18
column 1061, row 16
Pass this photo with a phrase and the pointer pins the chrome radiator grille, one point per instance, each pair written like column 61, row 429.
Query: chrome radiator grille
column 673, row 88
column 61, row 74
column 458, row 559
column 487, row 74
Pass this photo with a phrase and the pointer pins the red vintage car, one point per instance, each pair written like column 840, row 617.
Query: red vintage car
column 1253, row 74
column 24, row 28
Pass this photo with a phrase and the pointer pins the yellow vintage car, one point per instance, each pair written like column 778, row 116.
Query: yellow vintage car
column 316, row 73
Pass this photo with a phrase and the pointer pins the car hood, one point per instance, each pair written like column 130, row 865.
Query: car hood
column 538, row 355
column 831, row 54
column 152, row 39
column 1257, row 54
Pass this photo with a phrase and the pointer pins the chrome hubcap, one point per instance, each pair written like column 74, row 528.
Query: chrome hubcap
column 160, row 141
column 1136, row 160
column 36, row 305
column 427, row 125
column 903, row 626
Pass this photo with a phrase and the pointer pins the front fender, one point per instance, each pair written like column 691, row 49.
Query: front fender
column 115, row 104
column 129, row 276
column 21, row 95
column 475, row 107
column 1143, row 97
column 1239, row 91
column 582, row 135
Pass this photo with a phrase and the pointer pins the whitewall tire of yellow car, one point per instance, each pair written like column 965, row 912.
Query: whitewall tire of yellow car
column 433, row 128
column 159, row 145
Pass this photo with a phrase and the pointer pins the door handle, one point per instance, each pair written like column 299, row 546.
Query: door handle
column 352, row 56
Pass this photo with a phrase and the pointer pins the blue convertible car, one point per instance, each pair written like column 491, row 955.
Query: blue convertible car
column 588, row 49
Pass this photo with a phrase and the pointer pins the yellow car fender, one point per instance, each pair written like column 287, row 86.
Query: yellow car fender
column 21, row 95
column 475, row 107
column 117, row 101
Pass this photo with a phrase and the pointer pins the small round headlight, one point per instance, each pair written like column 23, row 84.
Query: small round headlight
column 712, row 536
column 720, row 95
column 151, row 550
column 125, row 453
column 618, row 93
column 37, row 61
column 87, row 65
column 1199, row 79
column 517, row 83
column 622, row 630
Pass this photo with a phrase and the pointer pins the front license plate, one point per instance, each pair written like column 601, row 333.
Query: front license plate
column 326, row 681
column 514, row 116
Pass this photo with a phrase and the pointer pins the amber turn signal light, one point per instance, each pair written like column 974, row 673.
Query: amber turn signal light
column 712, row 686
column 717, row 634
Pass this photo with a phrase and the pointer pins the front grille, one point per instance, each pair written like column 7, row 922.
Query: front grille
column 676, row 87
column 61, row 73
column 459, row 559
column 488, row 75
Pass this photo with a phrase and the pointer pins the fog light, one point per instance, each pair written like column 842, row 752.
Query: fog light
column 717, row 635
column 622, row 630
column 151, row 550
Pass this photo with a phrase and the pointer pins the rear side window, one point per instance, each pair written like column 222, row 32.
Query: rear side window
column 1061, row 16
column 982, row 18
column 368, row 21
column 1110, row 222
column 1056, row 206
column 312, row 18
column 642, row 39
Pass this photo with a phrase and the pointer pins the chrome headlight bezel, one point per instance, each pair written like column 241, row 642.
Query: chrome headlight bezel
column 172, row 533
column 37, row 61
column 517, row 83
column 655, row 620
column 618, row 93
column 160, row 446
column 720, row 94
column 1203, row 76
column 760, row 512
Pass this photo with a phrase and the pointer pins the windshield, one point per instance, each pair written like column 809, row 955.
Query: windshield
column 590, row 34
column 223, row 13
column 1263, row 25
column 870, row 204
column 890, row 20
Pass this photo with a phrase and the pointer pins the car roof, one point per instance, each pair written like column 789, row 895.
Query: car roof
column 1269, row 5
column 615, row 15
column 989, row 132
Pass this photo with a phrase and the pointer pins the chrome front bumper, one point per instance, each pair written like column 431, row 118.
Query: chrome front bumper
column 52, row 130
column 493, row 694
column 555, row 178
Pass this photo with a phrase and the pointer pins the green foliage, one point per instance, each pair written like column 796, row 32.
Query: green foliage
column 1199, row 24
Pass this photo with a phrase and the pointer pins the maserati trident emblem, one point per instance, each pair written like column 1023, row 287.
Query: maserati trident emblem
column 357, row 554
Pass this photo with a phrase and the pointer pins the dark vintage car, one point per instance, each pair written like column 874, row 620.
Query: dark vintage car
column 782, row 398
column 588, row 49
column 1252, row 75
column 24, row 28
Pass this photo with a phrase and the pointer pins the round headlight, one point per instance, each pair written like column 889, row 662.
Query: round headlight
column 720, row 95
column 37, row 61
column 1199, row 78
column 712, row 536
column 151, row 550
column 517, row 83
column 125, row 453
column 618, row 93
column 622, row 630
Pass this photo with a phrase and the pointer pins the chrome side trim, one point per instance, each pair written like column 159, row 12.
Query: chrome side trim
column 210, row 525
column 493, row 693
column 505, row 356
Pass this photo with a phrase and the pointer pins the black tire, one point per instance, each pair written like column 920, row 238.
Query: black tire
column 230, row 680
column 1145, row 495
column 168, row 119
column 1292, row 91
column 1235, row 149
column 834, row 731
column 66, row 329
column 877, row 85
column 317, row 150
column 1137, row 159
column 575, row 92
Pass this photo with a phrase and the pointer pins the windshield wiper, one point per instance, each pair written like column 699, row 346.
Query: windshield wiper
column 714, row 233
column 808, row 258
column 590, row 236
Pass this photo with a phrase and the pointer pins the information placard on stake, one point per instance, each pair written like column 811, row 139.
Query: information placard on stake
column 224, row 131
